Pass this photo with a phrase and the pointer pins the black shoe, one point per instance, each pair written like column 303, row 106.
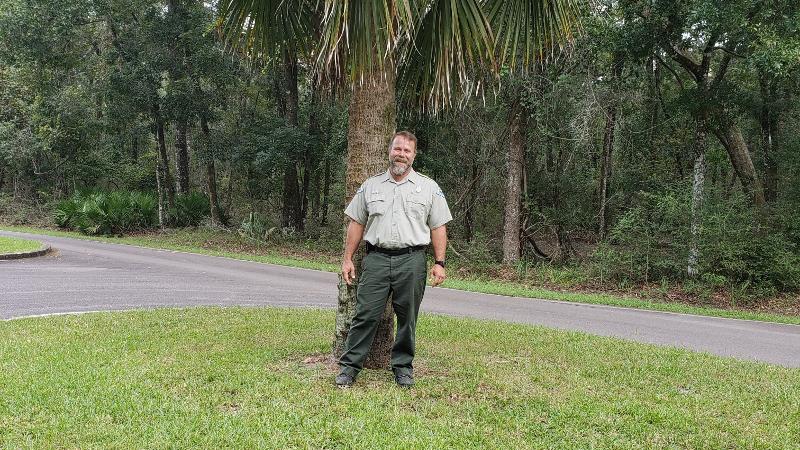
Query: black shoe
column 404, row 380
column 344, row 380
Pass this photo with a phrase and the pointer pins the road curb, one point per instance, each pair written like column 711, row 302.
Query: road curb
column 42, row 251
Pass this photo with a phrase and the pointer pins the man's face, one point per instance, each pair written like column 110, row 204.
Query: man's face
column 401, row 155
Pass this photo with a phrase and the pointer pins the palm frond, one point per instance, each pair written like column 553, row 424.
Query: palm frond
column 259, row 27
column 452, row 42
column 527, row 30
column 363, row 35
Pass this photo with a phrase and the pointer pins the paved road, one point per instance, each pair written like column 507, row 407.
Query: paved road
column 92, row 276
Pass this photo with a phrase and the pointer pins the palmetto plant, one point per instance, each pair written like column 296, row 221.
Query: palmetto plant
column 435, row 50
column 107, row 212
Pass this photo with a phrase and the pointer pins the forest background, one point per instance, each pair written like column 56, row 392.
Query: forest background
column 657, row 153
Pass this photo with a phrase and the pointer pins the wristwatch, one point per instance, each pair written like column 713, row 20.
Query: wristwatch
column 441, row 263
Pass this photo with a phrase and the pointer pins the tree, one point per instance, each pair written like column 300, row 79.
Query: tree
column 527, row 32
column 427, row 47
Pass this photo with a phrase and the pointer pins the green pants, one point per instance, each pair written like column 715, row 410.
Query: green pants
column 402, row 276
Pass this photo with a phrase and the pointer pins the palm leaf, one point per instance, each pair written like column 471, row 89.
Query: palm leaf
column 452, row 42
column 527, row 30
column 362, row 36
column 260, row 27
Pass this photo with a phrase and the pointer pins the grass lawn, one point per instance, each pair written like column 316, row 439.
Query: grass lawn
column 249, row 378
column 15, row 245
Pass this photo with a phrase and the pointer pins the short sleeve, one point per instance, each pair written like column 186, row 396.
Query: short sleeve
column 440, row 212
column 357, row 209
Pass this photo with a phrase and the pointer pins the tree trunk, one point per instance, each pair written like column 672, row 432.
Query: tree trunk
column 769, row 124
column 315, row 190
column 181, row 157
column 326, row 190
column 515, row 158
column 309, row 162
column 731, row 138
column 605, row 168
column 698, row 193
column 469, row 222
column 135, row 149
column 372, row 121
column 160, row 189
column 211, row 176
column 291, row 212
column 608, row 147
column 163, row 166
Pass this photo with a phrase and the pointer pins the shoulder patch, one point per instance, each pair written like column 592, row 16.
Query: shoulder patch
column 360, row 190
column 440, row 193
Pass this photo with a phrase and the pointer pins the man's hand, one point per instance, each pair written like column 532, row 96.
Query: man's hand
column 348, row 271
column 438, row 275
column 355, row 231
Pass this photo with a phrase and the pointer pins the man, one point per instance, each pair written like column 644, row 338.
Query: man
column 398, row 213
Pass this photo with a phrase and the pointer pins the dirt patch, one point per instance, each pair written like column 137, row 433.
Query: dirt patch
column 321, row 360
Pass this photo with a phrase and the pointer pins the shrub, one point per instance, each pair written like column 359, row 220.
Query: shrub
column 107, row 213
column 190, row 209
column 650, row 241
column 256, row 228
column 67, row 211
column 144, row 210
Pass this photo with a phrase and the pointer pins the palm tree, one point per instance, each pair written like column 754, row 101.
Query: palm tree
column 431, row 48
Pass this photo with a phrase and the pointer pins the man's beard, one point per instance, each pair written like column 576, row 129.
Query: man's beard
column 399, row 168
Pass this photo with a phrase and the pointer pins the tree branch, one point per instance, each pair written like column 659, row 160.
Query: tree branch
column 723, row 67
column 728, row 51
column 671, row 70
column 686, row 62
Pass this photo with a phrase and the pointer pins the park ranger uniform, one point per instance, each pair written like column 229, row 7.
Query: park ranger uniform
column 398, row 219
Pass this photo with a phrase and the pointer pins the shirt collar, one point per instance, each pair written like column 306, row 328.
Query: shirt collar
column 412, row 177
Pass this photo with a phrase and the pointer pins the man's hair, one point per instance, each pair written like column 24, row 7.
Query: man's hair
column 406, row 135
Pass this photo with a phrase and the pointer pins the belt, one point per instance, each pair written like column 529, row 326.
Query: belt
column 394, row 251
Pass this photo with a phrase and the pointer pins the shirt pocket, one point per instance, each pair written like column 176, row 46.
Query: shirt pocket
column 376, row 204
column 416, row 206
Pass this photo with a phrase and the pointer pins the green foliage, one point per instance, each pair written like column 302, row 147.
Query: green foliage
column 67, row 211
column 107, row 213
column 190, row 209
column 737, row 246
column 649, row 241
column 256, row 228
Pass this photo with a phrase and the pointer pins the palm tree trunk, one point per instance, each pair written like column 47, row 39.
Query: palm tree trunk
column 515, row 158
column 372, row 121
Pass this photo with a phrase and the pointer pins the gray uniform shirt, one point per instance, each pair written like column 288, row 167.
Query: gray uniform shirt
column 398, row 215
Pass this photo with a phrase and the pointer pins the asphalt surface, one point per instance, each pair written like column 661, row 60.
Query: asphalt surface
column 83, row 276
